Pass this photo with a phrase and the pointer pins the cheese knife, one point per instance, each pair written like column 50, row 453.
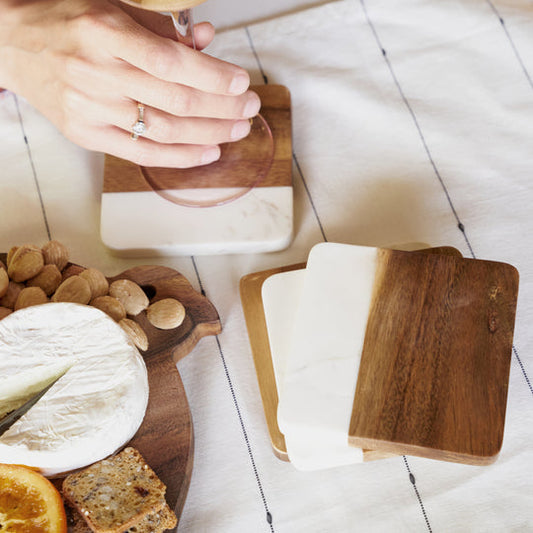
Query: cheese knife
column 10, row 418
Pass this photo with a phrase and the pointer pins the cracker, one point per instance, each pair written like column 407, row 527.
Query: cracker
column 117, row 493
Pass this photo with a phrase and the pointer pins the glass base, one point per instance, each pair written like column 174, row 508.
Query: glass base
column 242, row 166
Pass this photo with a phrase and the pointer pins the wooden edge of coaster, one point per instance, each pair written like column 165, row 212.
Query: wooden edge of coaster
column 252, row 303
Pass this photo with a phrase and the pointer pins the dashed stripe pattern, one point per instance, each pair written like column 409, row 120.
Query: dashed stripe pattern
column 268, row 515
column 34, row 172
column 412, row 479
column 511, row 42
column 460, row 225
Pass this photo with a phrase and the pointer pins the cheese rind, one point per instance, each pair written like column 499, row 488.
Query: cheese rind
column 90, row 412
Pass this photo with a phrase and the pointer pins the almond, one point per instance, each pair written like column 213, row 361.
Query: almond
column 130, row 295
column 73, row 289
column 26, row 262
column 97, row 281
column 4, row 311
column 30, row 296
column 71, row 270
column 55, row 253
column 4, row 282
column 2, row 266
column 135, row 332
column 111, row 306
column 166, row 314
column 10, row 297
column 12, row 250
column 48, row 279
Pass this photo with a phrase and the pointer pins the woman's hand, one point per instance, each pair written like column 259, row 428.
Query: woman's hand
column 86, row 63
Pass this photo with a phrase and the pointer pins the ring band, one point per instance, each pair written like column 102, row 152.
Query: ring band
column 139, row 127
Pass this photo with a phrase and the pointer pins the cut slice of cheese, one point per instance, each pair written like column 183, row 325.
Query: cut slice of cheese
column 16, row 390
column 90, row 412
column 323, row 354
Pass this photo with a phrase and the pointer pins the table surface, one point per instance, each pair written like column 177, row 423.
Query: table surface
column 412, row 123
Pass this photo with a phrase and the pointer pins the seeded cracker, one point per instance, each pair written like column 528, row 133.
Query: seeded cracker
column 117, row 494
column 152, row 523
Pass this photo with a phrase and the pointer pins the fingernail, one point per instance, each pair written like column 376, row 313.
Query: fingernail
column 240, row 130
column 239, row 84
column 252, row 106
column 210, row 155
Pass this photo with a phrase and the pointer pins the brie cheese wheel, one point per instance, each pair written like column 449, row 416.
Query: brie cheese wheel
column 323, row 355
column 93, row 409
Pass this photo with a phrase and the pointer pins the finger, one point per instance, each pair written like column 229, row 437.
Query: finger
column 165, row 128
column 118, row 80
column 161, row 127
column 163, row 26
column 173, row 62
column 145, row 152
column 183, row 101
column 204, row 33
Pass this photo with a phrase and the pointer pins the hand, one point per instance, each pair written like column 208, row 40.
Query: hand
column 86, row 63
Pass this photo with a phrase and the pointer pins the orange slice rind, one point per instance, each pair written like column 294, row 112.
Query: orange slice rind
column 29, row 503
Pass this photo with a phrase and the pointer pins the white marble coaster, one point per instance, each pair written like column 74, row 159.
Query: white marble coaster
column 144, row 223
column 307, row 447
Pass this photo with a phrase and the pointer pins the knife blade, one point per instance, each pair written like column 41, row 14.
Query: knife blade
column 10, row 418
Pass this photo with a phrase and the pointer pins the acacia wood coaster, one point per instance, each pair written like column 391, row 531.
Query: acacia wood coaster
column 434, row 369
column 250, row 290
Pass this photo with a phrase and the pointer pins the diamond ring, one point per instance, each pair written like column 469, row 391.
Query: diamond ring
column 139, row 127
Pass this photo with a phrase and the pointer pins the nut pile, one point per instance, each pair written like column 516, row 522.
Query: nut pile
column 34, row 276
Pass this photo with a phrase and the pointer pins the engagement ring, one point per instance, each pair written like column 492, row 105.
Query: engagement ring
column 139, row 127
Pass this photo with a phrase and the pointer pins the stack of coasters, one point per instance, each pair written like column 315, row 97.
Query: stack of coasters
column 383, row 350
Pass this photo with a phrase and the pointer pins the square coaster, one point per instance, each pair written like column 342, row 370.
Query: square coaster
column 140, row 216
column 434, row 369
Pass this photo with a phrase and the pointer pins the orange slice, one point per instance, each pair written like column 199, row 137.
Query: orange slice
column 29, row 503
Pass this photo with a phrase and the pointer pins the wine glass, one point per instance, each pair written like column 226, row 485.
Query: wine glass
column 242, row 164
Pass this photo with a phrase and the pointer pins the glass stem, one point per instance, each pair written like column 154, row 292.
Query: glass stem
column 183, row 22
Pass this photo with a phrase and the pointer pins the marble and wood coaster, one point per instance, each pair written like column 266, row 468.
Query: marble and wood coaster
column 217, row 209
column 434, row 368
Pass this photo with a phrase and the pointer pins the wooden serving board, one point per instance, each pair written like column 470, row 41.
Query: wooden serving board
column 250, row 289
column 434, row 369
column 166, row 438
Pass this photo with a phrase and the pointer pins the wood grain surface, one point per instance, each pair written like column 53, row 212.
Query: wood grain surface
column 435, row 365
column 250, row 291
column 166, row 437
column 252, row 304
column 239, row 165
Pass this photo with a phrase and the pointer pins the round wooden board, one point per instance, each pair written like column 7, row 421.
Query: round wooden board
column 165, row 438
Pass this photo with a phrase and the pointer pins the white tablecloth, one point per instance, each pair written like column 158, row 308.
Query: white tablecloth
column 412, row 122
